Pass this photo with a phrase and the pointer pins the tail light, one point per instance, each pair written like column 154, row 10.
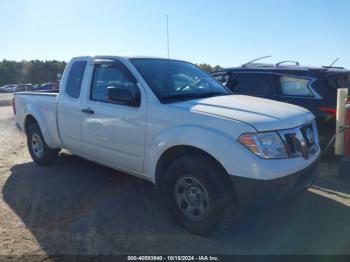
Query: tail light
column 329, row 110
column 14, row 105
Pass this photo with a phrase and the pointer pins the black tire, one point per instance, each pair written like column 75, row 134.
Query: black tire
column 34, row 137
column 221, row 207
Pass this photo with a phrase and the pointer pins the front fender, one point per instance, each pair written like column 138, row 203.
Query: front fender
column 212, row 141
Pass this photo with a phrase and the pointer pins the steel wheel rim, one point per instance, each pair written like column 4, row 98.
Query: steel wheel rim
column 37, row 145
column 192, row 198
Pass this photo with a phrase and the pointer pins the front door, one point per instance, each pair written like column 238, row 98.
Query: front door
column 114, row 132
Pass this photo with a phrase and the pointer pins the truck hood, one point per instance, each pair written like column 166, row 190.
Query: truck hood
column 263, row 114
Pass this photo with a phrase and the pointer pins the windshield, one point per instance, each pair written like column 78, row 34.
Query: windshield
column 173, row 80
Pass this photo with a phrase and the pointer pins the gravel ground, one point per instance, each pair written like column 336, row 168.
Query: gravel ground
column 78, row 207
column 5, row 99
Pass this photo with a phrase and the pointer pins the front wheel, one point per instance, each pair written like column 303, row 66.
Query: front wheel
column 200, row 194
column 40, row 152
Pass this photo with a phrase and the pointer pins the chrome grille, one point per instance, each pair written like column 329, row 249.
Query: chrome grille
column 301, row 141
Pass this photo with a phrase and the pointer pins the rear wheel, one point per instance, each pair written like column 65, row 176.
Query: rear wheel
column 40, row 152
column 200, row 194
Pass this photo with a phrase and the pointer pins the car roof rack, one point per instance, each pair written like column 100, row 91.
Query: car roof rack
column 296, row 63
column 279, row 64
column 254, row 60
column 287, row 64
column 259, row 65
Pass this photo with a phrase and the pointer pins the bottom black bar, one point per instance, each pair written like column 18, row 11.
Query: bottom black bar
column 218, row 258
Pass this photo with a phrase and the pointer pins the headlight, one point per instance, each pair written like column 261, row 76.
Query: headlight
column 265, row 145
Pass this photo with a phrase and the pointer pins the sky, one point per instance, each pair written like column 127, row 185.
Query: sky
column 221, row 32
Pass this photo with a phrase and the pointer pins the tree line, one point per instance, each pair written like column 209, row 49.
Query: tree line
column 38, row 72
column 208, row 68
column 33, row 71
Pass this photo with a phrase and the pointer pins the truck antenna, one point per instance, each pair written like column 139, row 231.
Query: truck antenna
column 336, row 60
column 263, row 57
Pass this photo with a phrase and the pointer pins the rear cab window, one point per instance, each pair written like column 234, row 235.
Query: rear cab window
column 75, row 78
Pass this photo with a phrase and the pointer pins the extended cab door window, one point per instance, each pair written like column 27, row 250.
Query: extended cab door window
column 69, row 106
column 75, row 79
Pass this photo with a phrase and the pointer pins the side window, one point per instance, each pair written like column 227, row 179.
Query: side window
column 340, row 81
column 253, row 84
column 75, row 79
column 292, row 86
column 105, row 76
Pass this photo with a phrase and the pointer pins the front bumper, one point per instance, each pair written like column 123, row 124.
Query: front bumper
column 255, row 192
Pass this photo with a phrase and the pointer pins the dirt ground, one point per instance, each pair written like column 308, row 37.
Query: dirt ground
column 78, row 207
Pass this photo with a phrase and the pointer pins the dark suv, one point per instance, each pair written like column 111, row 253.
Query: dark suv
column 314, row 88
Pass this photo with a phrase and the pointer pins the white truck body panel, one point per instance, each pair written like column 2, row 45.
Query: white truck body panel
column 133, row 139
column 43, row 107
column 115, row 134
column 263, row 114
column 69, row 114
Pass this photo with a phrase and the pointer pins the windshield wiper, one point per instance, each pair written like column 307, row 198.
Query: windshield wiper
column 181, row 97
column 178, row 97
column 212, row 94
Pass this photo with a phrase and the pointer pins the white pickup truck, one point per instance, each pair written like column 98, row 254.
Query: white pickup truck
column 208, row 151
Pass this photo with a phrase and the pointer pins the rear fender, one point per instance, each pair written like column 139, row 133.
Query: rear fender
column 36, row 113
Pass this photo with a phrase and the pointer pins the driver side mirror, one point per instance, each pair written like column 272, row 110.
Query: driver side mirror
column 123, row 95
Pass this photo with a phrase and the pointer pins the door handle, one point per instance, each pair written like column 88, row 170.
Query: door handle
column 88, row 111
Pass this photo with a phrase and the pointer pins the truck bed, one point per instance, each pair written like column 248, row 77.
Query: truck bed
column 43, row 106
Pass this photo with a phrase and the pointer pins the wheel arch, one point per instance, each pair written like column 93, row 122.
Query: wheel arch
column 174, row 152
column 45, row 116
column 29, row 120
column 35, row 116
